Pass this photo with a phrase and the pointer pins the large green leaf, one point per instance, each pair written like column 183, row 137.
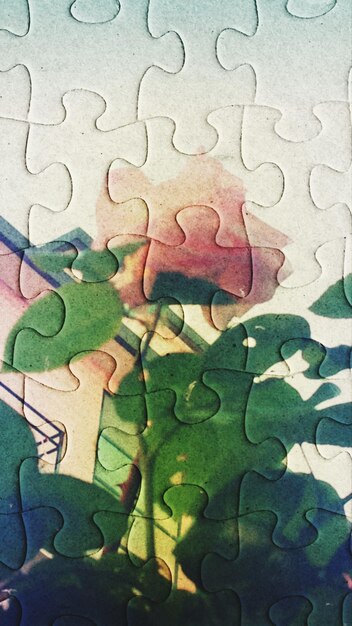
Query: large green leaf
column 206, row 413
column 209, row 447
column 62, row 324
column 336, row 302
column 230, row 442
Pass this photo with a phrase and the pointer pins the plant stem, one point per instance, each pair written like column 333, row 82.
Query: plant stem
column 146, row 467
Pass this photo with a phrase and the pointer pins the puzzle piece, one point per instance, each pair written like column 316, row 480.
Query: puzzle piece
column 285, row 573
column 91, row 65
column 153, row 370
column 124, row 406
column 52, row 320
column 200, row 258
column 289, row 499
column 267, row 265
column 295, row 413
column 332, row 437
column 261, row 144
column 185, row 450
column 201, row 80
column 24, row 283
column 75, row 500
column 41, row 600
column 78, row 143
column 77, row 410
column 22, row 188
column 295, row 92
column 214, row 186
column 255, row 345
column 330, row 187
column 13, row 428
column 50, row 435
column 175, row 420
column 318, row 361
column 61, row 262
column 295, row 418
column 114, row 449
column 169, row 182
column 172, row 538
column 66, row 266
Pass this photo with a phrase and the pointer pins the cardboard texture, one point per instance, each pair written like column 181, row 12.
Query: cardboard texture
column 176, row 304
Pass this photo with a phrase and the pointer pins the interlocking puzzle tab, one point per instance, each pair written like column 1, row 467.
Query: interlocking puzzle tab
column 176, row 305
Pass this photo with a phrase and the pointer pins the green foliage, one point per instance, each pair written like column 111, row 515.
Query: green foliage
column 336, row 302
column 92, row 265
column 218, row 423
column 62, row 324
column 188, row 290
column 256, row 345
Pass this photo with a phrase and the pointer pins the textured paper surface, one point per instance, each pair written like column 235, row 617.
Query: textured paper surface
column 176, row 292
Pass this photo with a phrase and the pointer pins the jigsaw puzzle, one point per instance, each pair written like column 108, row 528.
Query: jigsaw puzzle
column 176, row 304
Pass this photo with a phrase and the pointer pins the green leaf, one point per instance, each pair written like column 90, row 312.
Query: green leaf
column 187, row 290
column 61, row 325
column 255, row 345
column 275, row 408
column 95, row 265
column 100, row 265
column 54, row 262
column 336, row 301
column 208, row 447
column 195, row 401
column 222, row 432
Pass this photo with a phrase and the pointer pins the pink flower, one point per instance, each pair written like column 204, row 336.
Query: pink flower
column 195, row 226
